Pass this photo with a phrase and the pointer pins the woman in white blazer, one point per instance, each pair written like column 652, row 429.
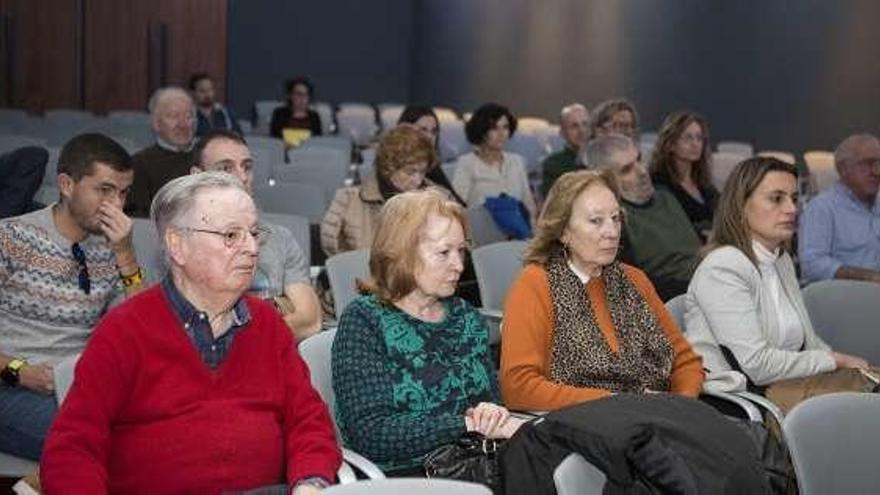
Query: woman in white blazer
column 744, row 296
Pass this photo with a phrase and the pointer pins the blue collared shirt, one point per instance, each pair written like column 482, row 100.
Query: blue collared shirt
column 836, row 229
column 212, row 350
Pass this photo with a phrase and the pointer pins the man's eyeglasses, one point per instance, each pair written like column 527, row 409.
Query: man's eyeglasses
column 234, row 237
column 85, row 283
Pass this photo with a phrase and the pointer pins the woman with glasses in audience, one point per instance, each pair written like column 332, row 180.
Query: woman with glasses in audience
column 403, row 159
column 680, row 163
column 489, row 171
column 425, row 120
column 578, row 324
column 744, row 310
column 615, row 116
column 411, row 365
column 296, row 114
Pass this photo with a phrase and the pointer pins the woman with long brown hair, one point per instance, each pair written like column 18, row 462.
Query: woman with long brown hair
column 680, row 163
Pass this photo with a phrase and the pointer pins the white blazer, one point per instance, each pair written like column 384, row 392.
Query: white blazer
column 726, row 304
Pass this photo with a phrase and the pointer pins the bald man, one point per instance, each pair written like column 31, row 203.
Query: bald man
column 574, row 127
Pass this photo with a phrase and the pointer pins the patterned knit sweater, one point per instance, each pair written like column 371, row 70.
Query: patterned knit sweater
column 402, row 384
column 43, row 313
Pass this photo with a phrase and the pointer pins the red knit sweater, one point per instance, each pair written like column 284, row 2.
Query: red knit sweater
column 146, row 415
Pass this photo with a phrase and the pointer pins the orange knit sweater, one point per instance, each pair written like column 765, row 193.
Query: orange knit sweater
column 527, row 339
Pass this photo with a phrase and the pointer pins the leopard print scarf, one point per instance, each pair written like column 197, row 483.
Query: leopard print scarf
column 581, row 357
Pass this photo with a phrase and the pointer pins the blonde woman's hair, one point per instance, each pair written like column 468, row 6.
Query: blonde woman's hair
column 557, row 211
column 394, row 257
column 730, row 226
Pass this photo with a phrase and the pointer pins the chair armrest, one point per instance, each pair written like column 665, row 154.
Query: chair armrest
column 362, row 464
column 765, row 403
column 346, row 474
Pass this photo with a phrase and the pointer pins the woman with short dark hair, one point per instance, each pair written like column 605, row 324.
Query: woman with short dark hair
column 489, row 171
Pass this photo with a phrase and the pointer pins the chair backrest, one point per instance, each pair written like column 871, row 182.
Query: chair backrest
column 263, row 111
column 328, row 177
column 293, row 198
column 496, row 266
column 675, row 306
column 483, row 228
column 343, row 270
column 63, row 377
column 267, row 152
column 357, row 120
column 845, row 314
column 723, row 163
column 148, row 248
column 532, row 148
column 834, row 440
column 16, row 467
column 453, row 141
column 298, row 226
column 531, row 125
column 737, row 147
column 445, row 114
column 316, row 352
column 325, row 112
column 336, row 142
column 783, row 156
column 328, row 156
column 408, row 486
column 823, row 173
column 12, row 142
column 389, row 114
column 576, row 476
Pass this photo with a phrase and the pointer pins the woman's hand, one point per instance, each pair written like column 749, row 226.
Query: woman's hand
column 509, row 427
column 485, row 418
column 842, row 360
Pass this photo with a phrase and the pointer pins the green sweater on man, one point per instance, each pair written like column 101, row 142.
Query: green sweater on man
column 659, row 239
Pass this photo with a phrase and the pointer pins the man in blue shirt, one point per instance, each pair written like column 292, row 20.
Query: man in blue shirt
column 840, row 228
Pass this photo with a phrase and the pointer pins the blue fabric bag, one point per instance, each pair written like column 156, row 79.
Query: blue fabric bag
column 510, row 215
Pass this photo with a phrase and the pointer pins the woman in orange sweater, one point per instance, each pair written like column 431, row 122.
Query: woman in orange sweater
column 561, row 348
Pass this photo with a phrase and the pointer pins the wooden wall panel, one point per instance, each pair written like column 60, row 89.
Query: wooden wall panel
column 116, row 40
column 197, row 39
column 46, row 53
column 116, row 54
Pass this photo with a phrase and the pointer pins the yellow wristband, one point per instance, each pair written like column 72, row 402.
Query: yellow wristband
column 135, row 278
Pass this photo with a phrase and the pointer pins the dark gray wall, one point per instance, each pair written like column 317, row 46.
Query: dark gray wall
column 782, row 74
column 352, row 50
column 785, row 74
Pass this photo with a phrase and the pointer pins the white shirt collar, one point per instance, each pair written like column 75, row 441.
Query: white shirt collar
column 764, row 255
column 584, row 278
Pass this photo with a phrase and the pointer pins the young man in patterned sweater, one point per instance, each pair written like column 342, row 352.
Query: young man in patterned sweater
column 60, row 269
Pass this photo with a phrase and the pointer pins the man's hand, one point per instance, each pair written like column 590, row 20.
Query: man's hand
column 116, row 226
column 37, row 377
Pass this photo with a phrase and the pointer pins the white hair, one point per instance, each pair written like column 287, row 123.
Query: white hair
column 176, row 198
column 161, row 94
column 846, row 151
column 600, row 149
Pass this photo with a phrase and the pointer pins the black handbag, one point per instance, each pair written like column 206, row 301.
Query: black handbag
column 472, row 457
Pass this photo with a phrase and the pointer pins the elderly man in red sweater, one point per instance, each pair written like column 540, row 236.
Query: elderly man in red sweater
column 192, row 386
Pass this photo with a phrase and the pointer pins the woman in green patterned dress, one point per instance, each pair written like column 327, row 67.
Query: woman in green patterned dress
column 411, row 364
